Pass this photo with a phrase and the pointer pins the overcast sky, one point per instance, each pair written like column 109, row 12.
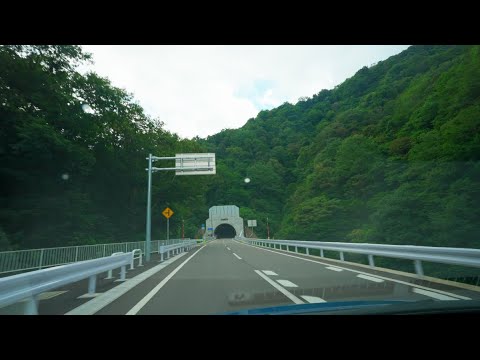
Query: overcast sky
column 200, row 90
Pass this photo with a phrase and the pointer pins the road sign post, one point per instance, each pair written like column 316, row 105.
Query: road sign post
column 185, row 164
column 168, row 213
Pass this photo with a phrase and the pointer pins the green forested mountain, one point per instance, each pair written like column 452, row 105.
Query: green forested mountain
column 389, row 156
column 46, row 137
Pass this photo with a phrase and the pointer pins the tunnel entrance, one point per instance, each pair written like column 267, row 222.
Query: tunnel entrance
column 225, row 231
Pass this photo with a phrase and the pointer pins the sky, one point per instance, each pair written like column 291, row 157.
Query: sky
column 199, row 90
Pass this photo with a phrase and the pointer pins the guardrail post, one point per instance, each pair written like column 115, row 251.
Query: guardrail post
column 370, row 261
column 307, row 250
column 31, row 306
column 41, row 259
column 122, row 272
column 92, row 284
column 341, row 256
column 296, row 249
column 160, row 250
column 418, row 267
column 321, row 253
column 126, row 247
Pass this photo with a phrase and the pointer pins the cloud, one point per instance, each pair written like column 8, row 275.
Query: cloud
column 200, row 90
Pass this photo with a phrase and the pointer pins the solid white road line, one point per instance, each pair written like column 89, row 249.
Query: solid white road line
column 433, row 294
column 269, row 272
column 286, row 283
column 360, row 272
column 157, row 288
column 333, row 268
column 98, row 303
column 371, row 278
column 312, row 299
column 284, row 291
column 238, row 257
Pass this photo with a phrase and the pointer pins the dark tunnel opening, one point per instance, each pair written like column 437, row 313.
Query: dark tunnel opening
column 225, row 231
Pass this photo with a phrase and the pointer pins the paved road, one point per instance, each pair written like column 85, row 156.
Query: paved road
column 226, row 275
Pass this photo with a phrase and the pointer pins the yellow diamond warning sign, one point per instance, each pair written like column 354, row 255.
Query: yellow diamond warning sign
column 167, row 213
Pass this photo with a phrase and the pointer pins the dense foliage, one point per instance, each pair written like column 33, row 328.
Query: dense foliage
column 74, row 177
column 389, row 156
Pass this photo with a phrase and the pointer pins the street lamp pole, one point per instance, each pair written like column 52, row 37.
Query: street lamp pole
column 148, row 238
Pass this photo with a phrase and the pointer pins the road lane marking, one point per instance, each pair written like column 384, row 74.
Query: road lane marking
column 361, row 272
column 228, row 248
column 98, row 303
column 371, row 278
column 433, row 294
column 269, row 272
column 156, row 289
column 287, row 283
column 313, row 299
column 284, row 291
column 333, row 268
column 238, row 257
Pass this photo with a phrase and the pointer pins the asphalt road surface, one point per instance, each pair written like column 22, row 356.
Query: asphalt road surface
column 225, row 275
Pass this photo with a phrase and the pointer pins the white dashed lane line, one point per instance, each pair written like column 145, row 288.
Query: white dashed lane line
column 312, row 299
column 433, row 294
column 371, row 278
column 284, row 291
column 333, row 268
column 269, row 272
column 238, row 257
column 287, row 283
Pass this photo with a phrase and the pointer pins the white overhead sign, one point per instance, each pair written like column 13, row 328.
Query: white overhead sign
column 252, row 223
column 195, row 164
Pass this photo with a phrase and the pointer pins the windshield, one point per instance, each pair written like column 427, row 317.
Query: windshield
column 151, row 180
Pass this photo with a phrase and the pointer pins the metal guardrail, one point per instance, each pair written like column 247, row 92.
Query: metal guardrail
column 443, row 255
column 175, row 248
column 22, row 260
column 29, row 285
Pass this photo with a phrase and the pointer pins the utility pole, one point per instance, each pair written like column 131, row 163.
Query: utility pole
column 268, row 230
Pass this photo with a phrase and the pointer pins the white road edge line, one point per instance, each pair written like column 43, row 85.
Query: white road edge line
column 284, row 291
column 238, row 257
column 151, row 294
column 433, row 294
column 361, row 272
column 93, row 306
